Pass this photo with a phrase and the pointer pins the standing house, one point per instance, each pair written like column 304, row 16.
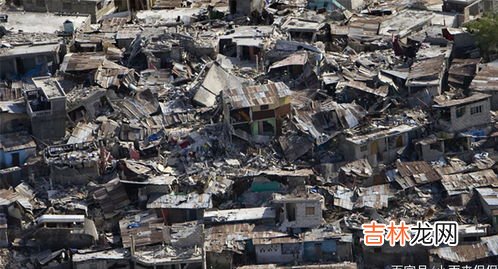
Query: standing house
column 32, row 59
column 459, row 114
column 46, row 107
column 379, row 145
column 95, row 8
column 13, row 117
column 489, row 202
column 15, row 149
column 256, row 110
column 246, row 43
column 311, row 247
column 298, row 211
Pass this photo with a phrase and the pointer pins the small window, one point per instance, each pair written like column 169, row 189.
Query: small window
column 460, row 111
column 264, row 107
column 363, row 148
column 475, row 110
column 310, row 211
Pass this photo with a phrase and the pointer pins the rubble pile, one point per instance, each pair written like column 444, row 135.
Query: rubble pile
column 243, row 133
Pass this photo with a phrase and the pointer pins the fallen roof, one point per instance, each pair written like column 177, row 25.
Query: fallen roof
column 145, row 229
column 458, row 183
column 426, row 72
column 361, row 86
column 415, row 173
column 242, row 214
column 75, row 62
column 181, row 201
column 360, row 168
column 216, row 81
column 110, row 254
column 229, row 237
column 298, row 58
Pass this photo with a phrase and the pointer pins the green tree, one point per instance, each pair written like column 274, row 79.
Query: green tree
column 485, row 30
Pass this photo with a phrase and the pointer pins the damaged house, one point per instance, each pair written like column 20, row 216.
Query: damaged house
column 46, row 107
column 96, row 8
column 177, row 208
column 306, row 30
column 485, row 82
column 220, row 134
column 256, row 112
column 315, row 246
column 488, row 198
column 24, row 60
column 298, row 211
column 73, row 163
column 15, row 149
column 464, row 113
column 245, row 43
column 379, row 144
column 70, row 231
column 425, row 79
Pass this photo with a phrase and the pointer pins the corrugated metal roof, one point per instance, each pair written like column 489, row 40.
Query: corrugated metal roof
column 252, row 96
column 464, row 182
column 415, row 173
column 488, row 247
column 486, row 79
column 298, row 58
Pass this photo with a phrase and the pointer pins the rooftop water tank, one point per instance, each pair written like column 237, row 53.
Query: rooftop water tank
column 68, row 27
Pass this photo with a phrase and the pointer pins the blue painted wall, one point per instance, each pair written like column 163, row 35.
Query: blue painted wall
column 6, row 158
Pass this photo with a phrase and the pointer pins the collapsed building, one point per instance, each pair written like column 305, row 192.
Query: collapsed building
column 243, row 134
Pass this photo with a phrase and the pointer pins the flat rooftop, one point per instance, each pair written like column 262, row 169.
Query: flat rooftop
column 45, row 22
column 476, row 97
column 381, row 132
column 50, row 86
